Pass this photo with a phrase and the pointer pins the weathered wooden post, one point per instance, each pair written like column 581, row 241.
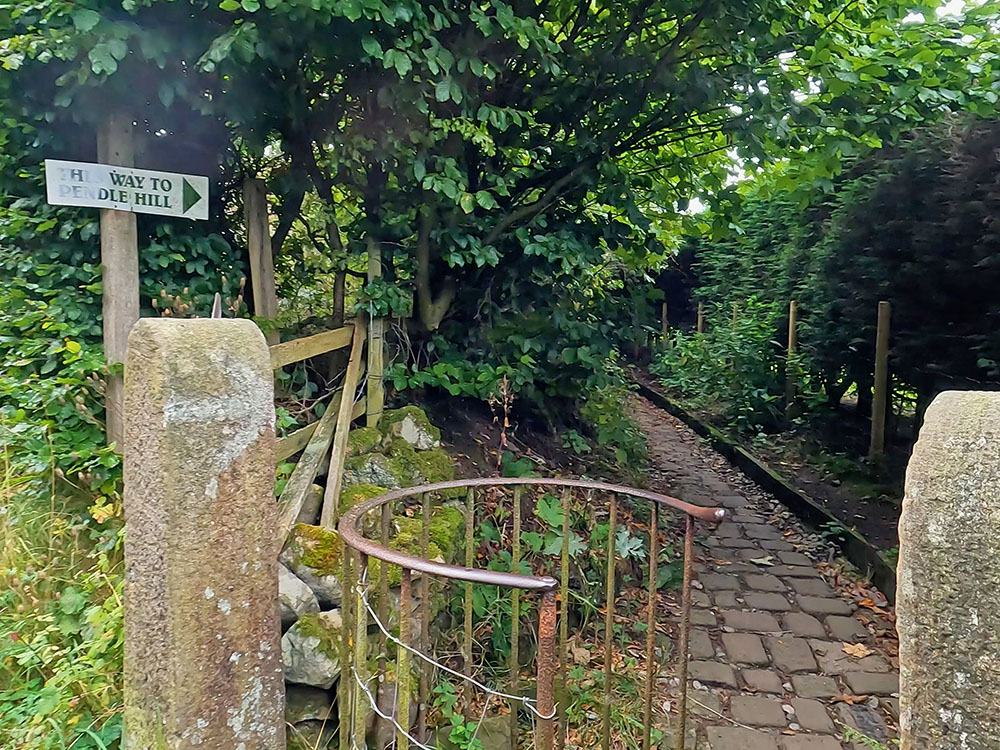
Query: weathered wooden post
column 265, row 297
column 948, row 592
column 736, row 309
column 376, row 344
column 202, row 629
column 880, row 395
column 701, row 318
column 119, row 269
column 793, row 342
column 664, row 323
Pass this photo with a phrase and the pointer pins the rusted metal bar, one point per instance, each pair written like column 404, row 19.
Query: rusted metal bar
column 353, row 538
column 403, row 662
column 515, row 612
column 470, row 553
column 383, row 601
column 425, row 622
column 647, row 716
column 545, row 671
column 683, row 646
column 360, row 661
column 609, row 625
column 344, row 688
column 564, row 619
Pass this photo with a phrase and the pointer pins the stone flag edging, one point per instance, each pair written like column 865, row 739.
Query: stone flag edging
column 856, row 548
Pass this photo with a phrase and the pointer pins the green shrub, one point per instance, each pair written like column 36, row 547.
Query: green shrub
column 734, row 370
column 605, row 413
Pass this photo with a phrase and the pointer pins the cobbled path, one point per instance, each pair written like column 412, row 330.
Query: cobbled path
column 769, row 670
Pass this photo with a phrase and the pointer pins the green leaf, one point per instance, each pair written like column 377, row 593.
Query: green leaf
column 442, row 91
column 484, row 199
column 250, row 6
column 72, row 601
column 372, row 47
column 73, row 347
column 166, row 94
column 419, row 170
column 402, row 64
column 229, row 5
column 85, row 20
column 467, row 203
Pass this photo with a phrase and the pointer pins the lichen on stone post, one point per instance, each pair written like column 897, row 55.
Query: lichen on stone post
column 948, row 590
column 202, row 629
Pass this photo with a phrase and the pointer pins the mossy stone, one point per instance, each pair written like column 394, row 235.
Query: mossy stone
column 411, row 424
column 358, row 493
column 315, row 555
column 316, row 547
column 377, row 469
column 363, row 440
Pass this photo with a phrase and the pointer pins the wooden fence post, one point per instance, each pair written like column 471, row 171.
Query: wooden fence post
column 793, row 340
column 880, row 396
column 664, row 323
column 735, row 313
column 376, row 344
column 265, row 298
column 701, row 318
column 119, row 269
column 202, row 632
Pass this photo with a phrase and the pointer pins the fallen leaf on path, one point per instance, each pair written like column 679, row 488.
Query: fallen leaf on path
column 848, row 698
column 765, row 560
column 580, row 655
column 857, row 650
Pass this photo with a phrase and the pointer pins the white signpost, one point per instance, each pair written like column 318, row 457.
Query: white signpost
column 143, row 191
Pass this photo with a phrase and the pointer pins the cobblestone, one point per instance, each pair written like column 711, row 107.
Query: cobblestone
column 762, row 680
column 803, row 625
column 757, row 712
column 788, row 670
column 812, row 715
column 744, row 648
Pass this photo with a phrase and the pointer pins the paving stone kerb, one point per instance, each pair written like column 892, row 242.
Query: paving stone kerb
column 202, row 630
column 948, row 607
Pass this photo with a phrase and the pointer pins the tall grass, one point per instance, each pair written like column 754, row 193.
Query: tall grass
column 60, row 615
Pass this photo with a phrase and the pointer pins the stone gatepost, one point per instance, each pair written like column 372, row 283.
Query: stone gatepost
column 948, row 593
column 202, row 629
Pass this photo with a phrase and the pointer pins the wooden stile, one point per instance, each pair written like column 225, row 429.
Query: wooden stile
column 310, row 346
column 331, row 495
column 297, row 487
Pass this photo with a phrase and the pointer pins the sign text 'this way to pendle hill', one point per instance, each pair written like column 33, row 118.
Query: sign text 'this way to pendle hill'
column 71, row 183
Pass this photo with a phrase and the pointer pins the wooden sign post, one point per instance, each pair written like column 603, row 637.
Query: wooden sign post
column 121, row 191
column 120, row 273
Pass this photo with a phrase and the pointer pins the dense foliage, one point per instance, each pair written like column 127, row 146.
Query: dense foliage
column 516, row 169
column 912, row 224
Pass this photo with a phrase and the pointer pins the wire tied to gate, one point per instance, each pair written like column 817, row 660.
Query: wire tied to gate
column 529, row 703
